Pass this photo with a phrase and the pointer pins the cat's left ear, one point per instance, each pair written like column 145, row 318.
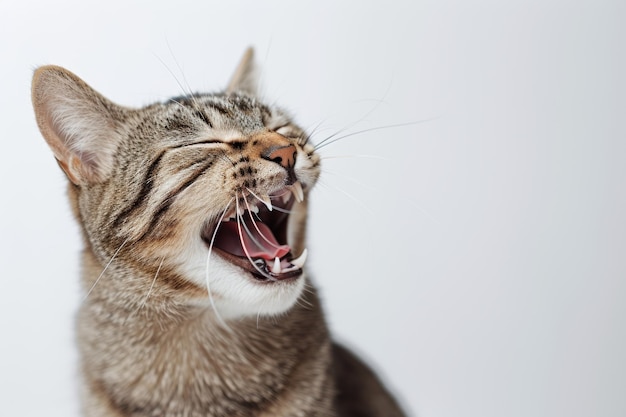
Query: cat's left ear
column 245, row 78
column 80, row 125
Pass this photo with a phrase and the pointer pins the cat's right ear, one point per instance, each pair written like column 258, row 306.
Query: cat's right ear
column 245, row 78
column 80, row 125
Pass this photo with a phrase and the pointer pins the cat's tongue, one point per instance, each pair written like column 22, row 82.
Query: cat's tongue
column 259, row 243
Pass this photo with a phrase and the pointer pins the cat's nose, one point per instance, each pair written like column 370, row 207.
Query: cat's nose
column 283, row 155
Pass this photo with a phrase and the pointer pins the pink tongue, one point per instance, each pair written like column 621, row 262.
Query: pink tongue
column 259, row 245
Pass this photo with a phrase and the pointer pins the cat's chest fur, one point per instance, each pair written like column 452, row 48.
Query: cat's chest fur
column 186, row 364
column 193, row 213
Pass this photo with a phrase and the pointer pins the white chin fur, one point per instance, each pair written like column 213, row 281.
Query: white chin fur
column 234, row 292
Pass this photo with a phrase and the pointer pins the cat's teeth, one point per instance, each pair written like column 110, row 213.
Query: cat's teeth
column 254, row 209
column 296, row 190
column 300, row 260
column 230, row 216
column 265, row 199
column 286, row 197
column 276, row 267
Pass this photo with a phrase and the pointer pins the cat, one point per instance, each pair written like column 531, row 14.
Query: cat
column 193, row 215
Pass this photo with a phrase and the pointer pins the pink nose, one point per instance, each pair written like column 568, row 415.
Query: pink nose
column 282, row 155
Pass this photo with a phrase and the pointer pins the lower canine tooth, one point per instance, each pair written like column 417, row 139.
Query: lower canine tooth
column 300, row 260
column 276, row 267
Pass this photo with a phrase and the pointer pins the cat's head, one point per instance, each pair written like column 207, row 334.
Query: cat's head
column 204, row 194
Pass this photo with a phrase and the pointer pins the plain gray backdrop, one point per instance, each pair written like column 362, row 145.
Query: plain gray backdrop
column 476, row 257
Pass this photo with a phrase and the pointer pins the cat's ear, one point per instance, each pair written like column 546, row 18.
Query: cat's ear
column 245, row 78
column 80, row 125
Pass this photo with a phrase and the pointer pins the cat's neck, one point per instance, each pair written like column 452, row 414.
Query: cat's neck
column 164, row 346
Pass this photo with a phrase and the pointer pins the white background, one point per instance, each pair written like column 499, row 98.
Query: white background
column 477, row 258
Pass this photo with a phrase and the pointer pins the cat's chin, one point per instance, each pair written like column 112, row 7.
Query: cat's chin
column 237, row 293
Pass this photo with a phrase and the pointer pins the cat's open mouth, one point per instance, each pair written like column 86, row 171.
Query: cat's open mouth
column 253, row 236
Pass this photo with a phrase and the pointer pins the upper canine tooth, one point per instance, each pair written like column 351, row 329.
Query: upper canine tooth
column 300, row 260
column 265, row 199
column 296, row 189
column 254, row 209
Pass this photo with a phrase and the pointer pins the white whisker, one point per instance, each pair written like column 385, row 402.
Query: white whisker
column 249, row 232
column 264, row 201
column 282, row 210
column 180, row 85
column 208, row 265
column 105, row 268
column 143, row 303
column 350, row 126
column 327, row 157
column 352, row 180
column 187, row 90
column 244, row 246
column 347, row 194
column 304, row 303
column 256, row 227
column 327, row 141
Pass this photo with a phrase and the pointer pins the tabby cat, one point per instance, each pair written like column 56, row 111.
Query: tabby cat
column 193, row 215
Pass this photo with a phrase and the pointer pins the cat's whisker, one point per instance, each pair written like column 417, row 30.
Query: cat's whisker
column 105, row 268
column 327, row 141
column 362, row 118
column 264, row 199
column 312, row 132
column 282, row 210
column 258, row 317
column 225, row 157
column 347, row 194
column 187, row 91
column 350, row 126
column 172, row 100
column 248, row 231
column 208, row 266
column 352, row 180
column 156, row 274
column 245, row 249
column 256, row 227
column 327, row 157
column 309, row 289
column 268, row 202
column 307, row 305
column 180, row 85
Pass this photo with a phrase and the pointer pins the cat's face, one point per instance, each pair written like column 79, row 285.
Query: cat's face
column 208, row 190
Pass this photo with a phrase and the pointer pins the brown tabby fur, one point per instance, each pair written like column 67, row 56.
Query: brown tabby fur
column 144, row 185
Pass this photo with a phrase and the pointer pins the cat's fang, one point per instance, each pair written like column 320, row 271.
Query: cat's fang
column 300, row 260
column 265, row 199
column 276, row 267
column 296, row 190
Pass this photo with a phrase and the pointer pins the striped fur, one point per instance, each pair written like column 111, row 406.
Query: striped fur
column 146, row 185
